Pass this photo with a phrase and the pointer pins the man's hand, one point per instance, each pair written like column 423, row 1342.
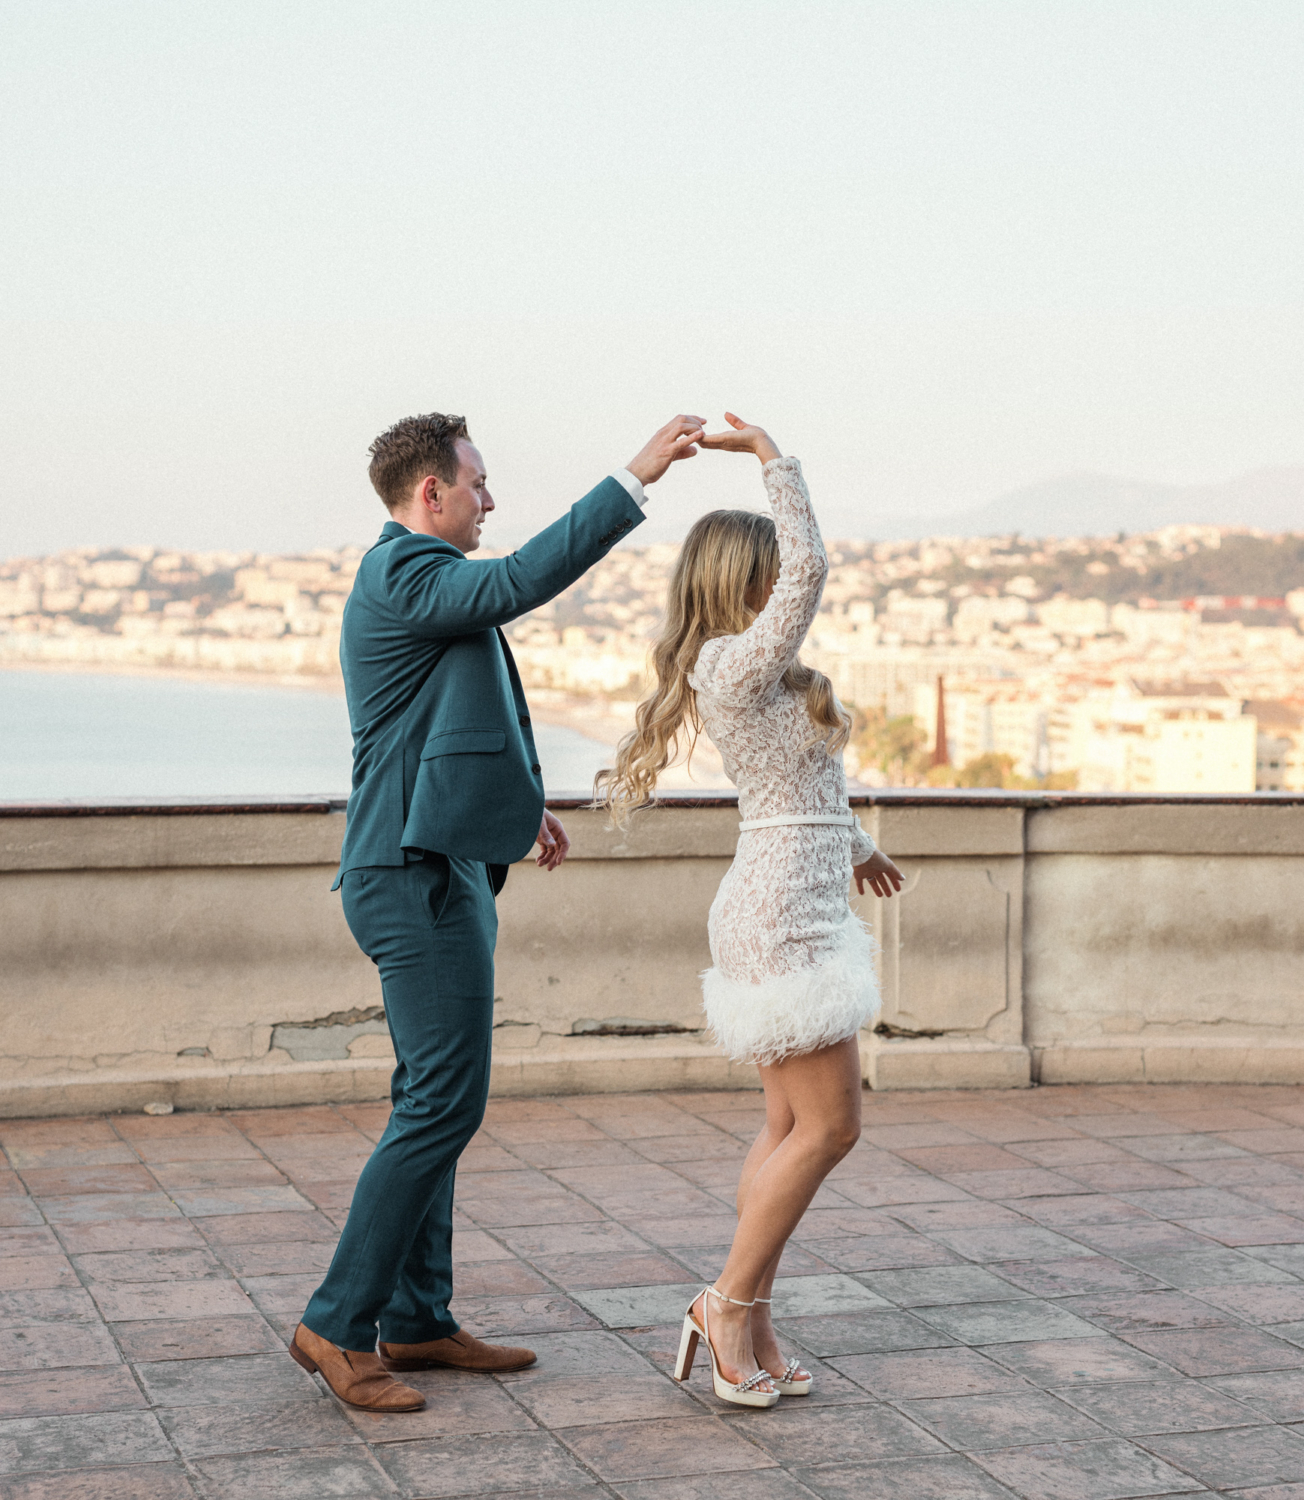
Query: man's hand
column 883, row 876
column 676, row 439
column 554, row 846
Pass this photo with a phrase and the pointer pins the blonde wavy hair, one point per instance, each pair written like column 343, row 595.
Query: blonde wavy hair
column 724, row 566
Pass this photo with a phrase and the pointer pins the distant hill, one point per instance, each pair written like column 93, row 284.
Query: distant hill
column 1099, row 505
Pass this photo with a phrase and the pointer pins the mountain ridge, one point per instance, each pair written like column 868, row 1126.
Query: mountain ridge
column 1267, row 499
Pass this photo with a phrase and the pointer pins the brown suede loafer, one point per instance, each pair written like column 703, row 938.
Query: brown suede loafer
column 463, row 1351
column 357, row 1378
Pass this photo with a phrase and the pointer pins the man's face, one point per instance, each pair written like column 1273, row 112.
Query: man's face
column 464, row 505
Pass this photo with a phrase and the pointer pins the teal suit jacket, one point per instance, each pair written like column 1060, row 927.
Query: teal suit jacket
column 443, row 753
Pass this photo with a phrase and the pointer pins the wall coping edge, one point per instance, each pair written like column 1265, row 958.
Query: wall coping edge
column 977, row 797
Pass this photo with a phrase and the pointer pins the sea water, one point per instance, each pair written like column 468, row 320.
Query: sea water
column 86, row 735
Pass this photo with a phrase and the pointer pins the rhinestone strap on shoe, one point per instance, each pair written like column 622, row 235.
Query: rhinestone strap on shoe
column 791, row 1368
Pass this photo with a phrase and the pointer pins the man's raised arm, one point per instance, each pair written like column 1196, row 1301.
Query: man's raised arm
column 437, row 591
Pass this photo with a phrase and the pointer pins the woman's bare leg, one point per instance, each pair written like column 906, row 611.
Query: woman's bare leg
column 819, row 1092
column 779, row 1120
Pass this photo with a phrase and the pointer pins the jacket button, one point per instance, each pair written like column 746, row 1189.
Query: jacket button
column 525, row 719
column 536, row 768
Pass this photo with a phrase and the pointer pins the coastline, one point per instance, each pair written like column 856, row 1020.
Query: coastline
column 596, row 719
column 318, row 682
column 605, row 721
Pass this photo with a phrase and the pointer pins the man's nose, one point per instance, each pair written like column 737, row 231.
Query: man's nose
column 486, row 501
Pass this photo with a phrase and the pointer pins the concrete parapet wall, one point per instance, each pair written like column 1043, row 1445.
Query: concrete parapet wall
column 197, row 956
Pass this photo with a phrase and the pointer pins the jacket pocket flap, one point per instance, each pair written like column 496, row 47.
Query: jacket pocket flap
column 464, row 742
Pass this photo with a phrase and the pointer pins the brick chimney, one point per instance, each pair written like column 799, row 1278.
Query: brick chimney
column 941, row 755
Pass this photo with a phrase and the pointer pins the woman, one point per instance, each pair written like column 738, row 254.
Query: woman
column 792, row 980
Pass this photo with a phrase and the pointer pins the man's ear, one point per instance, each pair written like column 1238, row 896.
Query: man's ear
column 430, row 494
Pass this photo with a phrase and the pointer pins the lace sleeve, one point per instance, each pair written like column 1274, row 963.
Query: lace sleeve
column 740, row 668
column 862, row 846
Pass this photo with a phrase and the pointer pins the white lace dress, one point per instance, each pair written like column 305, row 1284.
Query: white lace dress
column 793, row 967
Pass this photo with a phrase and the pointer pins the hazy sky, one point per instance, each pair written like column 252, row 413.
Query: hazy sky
column 939, row 249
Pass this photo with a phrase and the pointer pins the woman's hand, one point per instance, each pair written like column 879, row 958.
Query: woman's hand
column 554, row 846
column 883, row 876
column 743, row 439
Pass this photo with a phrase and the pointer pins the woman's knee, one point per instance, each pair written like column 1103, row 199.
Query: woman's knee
column 832, row 1139
column 778, row 1126
column 779, row 1115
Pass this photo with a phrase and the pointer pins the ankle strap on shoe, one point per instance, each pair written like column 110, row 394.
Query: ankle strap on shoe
column 766, row 1300
column 723, row 1298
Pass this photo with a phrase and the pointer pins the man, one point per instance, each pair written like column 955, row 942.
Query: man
column 447, row 792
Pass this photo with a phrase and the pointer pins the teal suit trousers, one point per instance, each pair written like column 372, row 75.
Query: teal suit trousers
column 430, row 928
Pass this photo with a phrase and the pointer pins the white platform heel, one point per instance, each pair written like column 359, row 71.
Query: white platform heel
column 786, row 1384
column 745, row 1393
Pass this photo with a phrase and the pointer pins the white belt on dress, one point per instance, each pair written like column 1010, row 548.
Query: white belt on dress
column 785, row 820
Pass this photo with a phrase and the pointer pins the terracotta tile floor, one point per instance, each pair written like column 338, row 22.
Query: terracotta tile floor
column 1063, row 1294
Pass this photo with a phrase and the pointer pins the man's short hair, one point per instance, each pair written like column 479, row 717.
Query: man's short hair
column 412, row 449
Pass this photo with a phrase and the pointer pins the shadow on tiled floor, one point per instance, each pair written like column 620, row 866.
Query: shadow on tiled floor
column 1060, row 1294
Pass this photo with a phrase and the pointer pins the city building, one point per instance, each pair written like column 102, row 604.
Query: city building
column 1046, row 647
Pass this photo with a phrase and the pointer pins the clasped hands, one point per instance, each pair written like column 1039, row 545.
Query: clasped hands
column 682, row 437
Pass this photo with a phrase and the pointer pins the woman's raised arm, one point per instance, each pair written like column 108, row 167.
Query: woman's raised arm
column 742, row 668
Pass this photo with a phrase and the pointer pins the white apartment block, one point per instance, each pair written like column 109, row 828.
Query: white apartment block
column 1180, row 738
column 1077, row 617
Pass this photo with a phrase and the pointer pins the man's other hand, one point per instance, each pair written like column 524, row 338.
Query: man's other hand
column 554, row 846
column 677, row 439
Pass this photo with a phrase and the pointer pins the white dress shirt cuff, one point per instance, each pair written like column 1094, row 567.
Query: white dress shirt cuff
column 625, row 478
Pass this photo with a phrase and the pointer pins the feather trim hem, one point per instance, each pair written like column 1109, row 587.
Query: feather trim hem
column 800, row 1012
